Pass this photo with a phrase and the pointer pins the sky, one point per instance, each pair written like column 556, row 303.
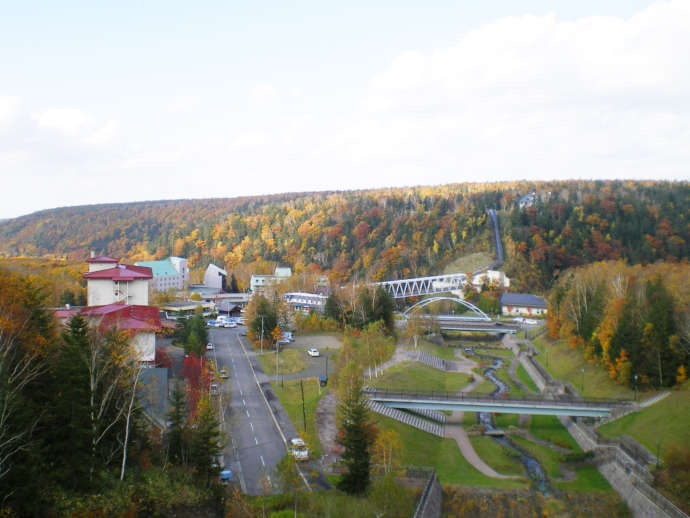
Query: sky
column 108, row 102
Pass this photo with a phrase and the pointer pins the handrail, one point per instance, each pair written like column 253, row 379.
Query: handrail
column 455, row 396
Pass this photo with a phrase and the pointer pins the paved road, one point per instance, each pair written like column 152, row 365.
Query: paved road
column 256, row 446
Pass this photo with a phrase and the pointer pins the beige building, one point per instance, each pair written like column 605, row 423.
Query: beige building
column 109, row 282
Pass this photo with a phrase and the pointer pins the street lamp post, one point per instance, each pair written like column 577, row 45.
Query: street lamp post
column 635, row 385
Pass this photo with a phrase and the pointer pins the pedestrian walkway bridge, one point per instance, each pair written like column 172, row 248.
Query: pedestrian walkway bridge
column 418, row 286
column 438, row 400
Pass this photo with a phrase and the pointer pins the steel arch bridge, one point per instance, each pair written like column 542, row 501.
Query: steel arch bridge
column 481, row 315
column 418, row 286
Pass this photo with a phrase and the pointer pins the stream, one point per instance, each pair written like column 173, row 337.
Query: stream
column 535, row 471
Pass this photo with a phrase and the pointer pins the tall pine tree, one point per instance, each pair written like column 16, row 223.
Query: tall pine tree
column 356, row 438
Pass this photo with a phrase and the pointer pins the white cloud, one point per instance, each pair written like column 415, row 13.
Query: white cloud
column 105, row 134
column 539, row 97
column 8, row 108
column 263, row 93
column 520, row 97
column 251, row 140
column 66, row 120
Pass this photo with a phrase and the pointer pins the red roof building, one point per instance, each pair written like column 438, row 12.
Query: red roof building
column 121, row 272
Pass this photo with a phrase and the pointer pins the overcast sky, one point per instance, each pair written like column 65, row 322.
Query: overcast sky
column 166, row 100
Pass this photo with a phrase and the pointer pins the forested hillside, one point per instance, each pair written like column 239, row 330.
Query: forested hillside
column 379, row 234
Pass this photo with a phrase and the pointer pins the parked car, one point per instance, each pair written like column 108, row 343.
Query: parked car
column 313, row 352
column 209, row 346
column 298, row 449
column 213, row 389
column 230, row 324
column 225, row 476
column 224, row 373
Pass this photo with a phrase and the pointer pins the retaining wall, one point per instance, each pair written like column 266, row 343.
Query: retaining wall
column 431, row 499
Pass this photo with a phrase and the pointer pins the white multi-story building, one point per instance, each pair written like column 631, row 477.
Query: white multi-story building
column 108, row 282
column 215, row 277
column 118, row 297
column 168, row 273
column 258, row 283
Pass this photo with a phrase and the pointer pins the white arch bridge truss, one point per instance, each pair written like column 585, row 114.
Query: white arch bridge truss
column 418, row 286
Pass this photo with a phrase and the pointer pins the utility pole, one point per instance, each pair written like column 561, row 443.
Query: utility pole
column 635, row 385
column 262, row 334
column 304, row 413
column 582, row 383
column 276, row 362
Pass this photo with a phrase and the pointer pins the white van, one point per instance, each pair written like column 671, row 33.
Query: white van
column 298, row 449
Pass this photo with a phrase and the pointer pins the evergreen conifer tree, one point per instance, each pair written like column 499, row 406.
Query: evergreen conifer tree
column 356, row 439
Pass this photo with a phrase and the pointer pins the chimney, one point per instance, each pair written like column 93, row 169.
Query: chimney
column 93, row 254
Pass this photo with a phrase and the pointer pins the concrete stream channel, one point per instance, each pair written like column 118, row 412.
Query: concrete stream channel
column 535, row 471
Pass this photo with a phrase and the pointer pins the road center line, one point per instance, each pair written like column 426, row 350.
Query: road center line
column 256, row 440
column 252, row 426
column 262, row 461
column 244, row 402
column 247, row 413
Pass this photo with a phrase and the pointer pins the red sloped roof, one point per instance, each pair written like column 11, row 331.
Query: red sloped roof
column 66, row 313
column 122, row 272
column 102, row 259
column 125, row 317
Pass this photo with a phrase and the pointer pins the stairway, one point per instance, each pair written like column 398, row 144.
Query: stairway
column 416, row 421
column 434, row 415
column 431, row 360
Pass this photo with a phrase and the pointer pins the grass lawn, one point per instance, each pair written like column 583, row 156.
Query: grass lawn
column 504, row 421
column 498, row 457
column 526, row 380
column 565, row 363
column 291, row 398
column 513, row 389
column 549, row 428
column 502, row 353
column 417, row 376
column 469, row 419
column 549, row 459
column 667, row 421
column 485, row 387
column 423, row 449
column 469, row 263
column 447, row 353
column 588, row 479
column 289, row 361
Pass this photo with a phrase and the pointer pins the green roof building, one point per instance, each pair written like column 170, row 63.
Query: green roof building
column 168, row 273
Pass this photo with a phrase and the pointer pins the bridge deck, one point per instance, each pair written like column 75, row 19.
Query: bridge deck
column 590, row 407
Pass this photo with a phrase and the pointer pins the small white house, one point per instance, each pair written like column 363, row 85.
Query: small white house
column 492, row 278
column 522, row 304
